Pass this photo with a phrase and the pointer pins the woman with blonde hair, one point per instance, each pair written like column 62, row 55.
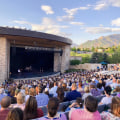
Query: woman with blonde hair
column 115, row 110
column 27, row 93
column 87, row 92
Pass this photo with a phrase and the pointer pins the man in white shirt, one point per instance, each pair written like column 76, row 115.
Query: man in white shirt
column 53, row 90
column 108, row 99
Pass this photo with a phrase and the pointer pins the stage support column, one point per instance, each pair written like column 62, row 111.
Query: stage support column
column 65, row 61
column 4, row 59
column 57, row 62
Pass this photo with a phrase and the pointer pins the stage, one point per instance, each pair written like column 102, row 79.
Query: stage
column 33, row 76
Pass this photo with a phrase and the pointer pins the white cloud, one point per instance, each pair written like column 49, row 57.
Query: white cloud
column 20, row 22
column 116, row 22
column 47, row 9
column 70, row 13
column 47, row 25
column 77, row 23
column 102, row 4
column 98, row 30
column 65, row 18
column 115, row 3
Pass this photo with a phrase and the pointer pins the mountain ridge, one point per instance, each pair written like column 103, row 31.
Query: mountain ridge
column 103, row 41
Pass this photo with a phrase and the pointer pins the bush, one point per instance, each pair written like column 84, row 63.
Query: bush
column 74, row 62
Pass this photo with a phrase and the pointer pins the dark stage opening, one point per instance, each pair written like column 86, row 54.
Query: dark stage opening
column 30, row 60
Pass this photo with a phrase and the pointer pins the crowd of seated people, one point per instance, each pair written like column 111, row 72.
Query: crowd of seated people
column 22, row 100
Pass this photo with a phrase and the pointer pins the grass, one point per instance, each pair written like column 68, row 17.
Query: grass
column 72, row 53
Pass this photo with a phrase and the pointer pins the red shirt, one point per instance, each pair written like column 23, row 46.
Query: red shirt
column 39, row 113
column 3, row 114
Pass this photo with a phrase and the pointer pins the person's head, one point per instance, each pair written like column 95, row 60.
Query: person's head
column 99, row 85
column 46, row 91
column 51, row 85
column 32, row 92
column 15, row 114
column 92, row 86
column 74, row 86
column 27, row 91
column 91, row 104
column 115, row 106
column 60, row 94
column 5, row 102
column 12, row 92
column 30, row 111
column 114, row 80
column 118, row 81
column 64, row 85
column 86, row 89
column 53, row 105
column 16, row 92
column 80, row 84
column 55, row 83
column 40, row 89
column 108, row 90
column 79, row 102
column 20, row 98
column 117, row 89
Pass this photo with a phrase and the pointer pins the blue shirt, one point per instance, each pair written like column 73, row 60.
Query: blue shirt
column 2, row 96
column 42, row 99
column 73, row 95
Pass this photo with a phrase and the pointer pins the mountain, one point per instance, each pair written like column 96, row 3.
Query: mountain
column 74, row 45
column 103, row 41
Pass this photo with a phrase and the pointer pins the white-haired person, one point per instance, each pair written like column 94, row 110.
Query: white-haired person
column 20, row 101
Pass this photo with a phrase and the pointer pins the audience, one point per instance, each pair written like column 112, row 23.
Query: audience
column 87, row 92
column 80, row 86
column 31, row 110
column 78, row 104
column 42, row 98
column 52, row 106
column 88, row 113
column 108, row 98
column 2, row 93
column 94, row 90
column 114, row 114
column 5, row 103
column 15, row 114
column 60, row 94
column 20, row 101
column 73, row 94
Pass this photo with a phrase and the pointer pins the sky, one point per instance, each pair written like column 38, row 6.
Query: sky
column 79, row 20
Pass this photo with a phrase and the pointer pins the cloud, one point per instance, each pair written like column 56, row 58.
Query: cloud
column 77, row 23
column 70, row 13
column 102, row 4
column 99, row 30
column 116, row 22
column 65, row 18
column 20, row 22
column 47, row 9
column 48, row 25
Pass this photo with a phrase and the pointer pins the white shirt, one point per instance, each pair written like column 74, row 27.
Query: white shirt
column 53, row 91
column 85, row 95
column 107, row 100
